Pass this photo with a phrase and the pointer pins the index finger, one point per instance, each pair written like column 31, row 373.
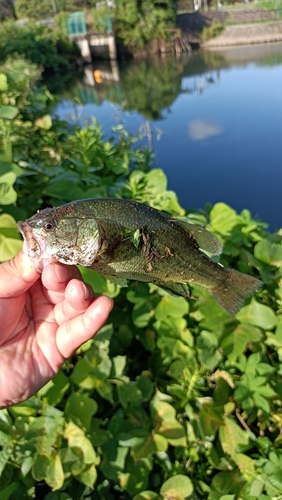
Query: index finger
column 55, row 278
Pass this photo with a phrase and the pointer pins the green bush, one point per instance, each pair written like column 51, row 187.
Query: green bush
column 140, row 24
column 211, row 31
column 45, row 47
column 173, row 399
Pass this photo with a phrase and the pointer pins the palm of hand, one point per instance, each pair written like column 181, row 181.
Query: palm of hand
column 43, row 321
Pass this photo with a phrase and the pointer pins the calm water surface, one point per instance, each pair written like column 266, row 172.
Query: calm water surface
column 213, row 120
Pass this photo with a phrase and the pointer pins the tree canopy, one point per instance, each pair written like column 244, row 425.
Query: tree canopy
column 7, row 9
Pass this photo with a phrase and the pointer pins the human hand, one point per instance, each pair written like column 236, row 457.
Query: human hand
column 43, row 320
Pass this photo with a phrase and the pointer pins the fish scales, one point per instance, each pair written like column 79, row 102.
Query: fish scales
column 127, row 239
column 167, row 258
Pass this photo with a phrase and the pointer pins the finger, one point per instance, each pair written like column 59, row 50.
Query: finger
column 17, row 275
column 73, row 333
column 78, row 297
column 55, row 278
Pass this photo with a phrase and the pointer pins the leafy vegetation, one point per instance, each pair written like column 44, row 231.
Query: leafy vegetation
column 141, row 25
column 7, row 9
column 173, row 399
column 211, row 31
column 47, row 48
column 46, row 8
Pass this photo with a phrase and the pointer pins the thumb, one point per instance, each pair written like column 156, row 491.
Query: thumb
column 17, row 275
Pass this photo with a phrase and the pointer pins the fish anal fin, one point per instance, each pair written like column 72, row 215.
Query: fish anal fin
column 178, row 289
column 206, row 240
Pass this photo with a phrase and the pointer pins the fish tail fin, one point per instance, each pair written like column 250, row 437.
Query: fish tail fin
column 232, row 293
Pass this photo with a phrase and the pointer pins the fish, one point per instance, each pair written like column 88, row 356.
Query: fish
column 126, row 240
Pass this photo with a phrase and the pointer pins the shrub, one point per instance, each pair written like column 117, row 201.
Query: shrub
column 173, row 398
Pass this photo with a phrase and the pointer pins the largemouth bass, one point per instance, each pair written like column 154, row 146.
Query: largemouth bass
column 126, row 239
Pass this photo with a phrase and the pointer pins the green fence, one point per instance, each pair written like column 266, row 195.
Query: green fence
column 76, row 24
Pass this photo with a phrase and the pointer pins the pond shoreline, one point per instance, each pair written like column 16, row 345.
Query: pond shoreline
column 250, row 26
column 247, row 34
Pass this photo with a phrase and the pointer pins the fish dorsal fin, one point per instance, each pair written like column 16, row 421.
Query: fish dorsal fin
column 206, row 240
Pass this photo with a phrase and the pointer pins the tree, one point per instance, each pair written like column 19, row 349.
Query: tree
column 7, row 9
column 33, row 8
column 140, row 23
column 45, row 8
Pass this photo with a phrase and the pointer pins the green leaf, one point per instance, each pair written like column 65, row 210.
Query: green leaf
column 146, row 386
column 144, row 448
column 6, row 154
column 8, row 112
column 170, row 327
column 6, row 450
column 47, row 429
column 261, row 403
column 66, row 190
column 30, row 407
column 209, row 355
column 166, row 424
column 105, row 389
column 99, row 435
column 83, row 375
column 177, row 307
column 156, row 181
column 80, row 445
column 10, row 242
column 100, row 285
column 80, row 409
column 3, row 82
column 7, row 193
column 88, row 476
column 130, row 394
column 258, row 314
column 238, row 340
column 59, row 385
column 223, row 218
column 245, row 464
column 177, row 487
column 118, row 366
column 135, row 477
column 270, row 253
column 147, row 495
column 210, row 418
column 44, row 122
column 142, row 314
column 231, row 435
column 113, row 459
column 55, row 474
column 276, row 481
column 41, row 466
column 6, row 493
column 230, row 482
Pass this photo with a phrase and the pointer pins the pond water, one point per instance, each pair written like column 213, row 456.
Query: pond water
column 213, row 120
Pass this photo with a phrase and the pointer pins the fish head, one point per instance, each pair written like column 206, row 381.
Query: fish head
column 60, row 234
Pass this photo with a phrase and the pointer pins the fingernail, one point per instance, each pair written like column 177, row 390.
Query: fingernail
column 86, row 291
column 61, row 273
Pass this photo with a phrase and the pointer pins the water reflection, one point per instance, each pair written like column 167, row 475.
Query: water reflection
column 212, row 118
column 201, row 129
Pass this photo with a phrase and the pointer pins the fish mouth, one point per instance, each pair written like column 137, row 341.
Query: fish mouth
column 34, row 247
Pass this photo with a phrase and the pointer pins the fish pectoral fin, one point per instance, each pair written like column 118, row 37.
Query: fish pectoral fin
column 206, row 240
column 178, row 289
column 122, row 282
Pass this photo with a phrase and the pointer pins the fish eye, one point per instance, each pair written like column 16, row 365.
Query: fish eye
column 48, row 226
